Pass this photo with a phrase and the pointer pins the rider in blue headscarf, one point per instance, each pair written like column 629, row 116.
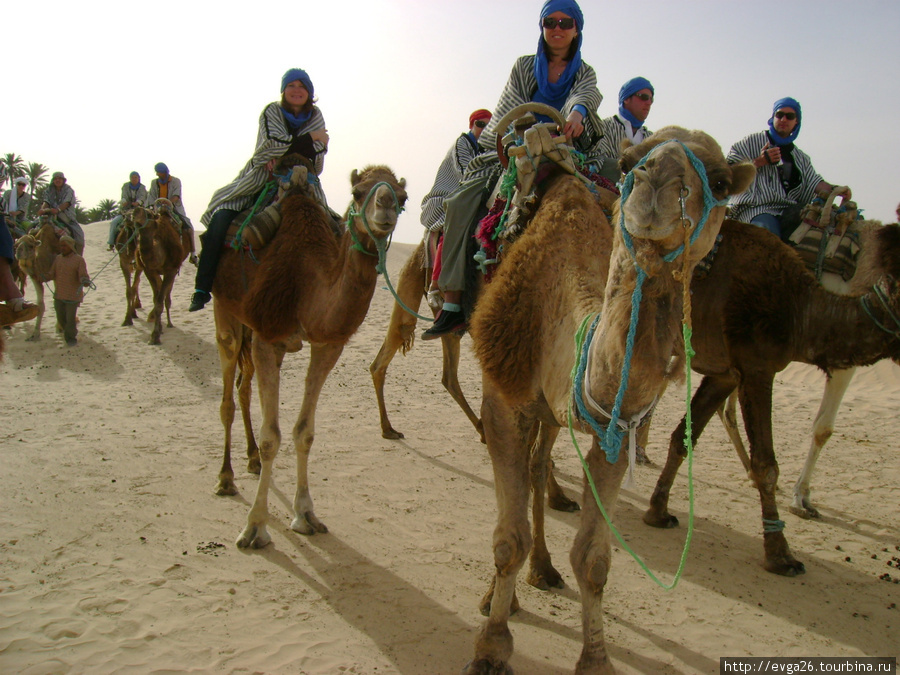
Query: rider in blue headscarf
column 774, row 136
column 555, row 93
column 630, row 88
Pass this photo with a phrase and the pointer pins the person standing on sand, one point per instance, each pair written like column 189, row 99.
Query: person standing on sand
column 69, row 274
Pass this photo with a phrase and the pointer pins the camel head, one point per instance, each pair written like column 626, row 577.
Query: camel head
column 27, row 247
column 378, row 199
column 669, row 191
column 163, row 205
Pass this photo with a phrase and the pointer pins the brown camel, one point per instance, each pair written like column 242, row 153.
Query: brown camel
column 553, row 277
column 35, row 253
column 126, row 245
column 160, row 252
column 756, row 310
column 879, row 255
column 310, row 285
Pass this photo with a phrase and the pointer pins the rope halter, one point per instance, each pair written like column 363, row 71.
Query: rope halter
column 380, row 244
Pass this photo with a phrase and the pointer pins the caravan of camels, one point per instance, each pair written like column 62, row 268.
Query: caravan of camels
column 587, row 309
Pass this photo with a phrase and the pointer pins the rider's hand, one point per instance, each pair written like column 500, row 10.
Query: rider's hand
column 320, row 135
column 574, row 125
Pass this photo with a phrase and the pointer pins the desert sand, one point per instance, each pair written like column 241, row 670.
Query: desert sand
column 118, row 558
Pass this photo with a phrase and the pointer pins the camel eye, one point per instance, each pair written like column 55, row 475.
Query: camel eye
column 358, row 195
column 719, row 186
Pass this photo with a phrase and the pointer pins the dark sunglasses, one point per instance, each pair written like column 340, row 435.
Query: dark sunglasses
column 644, row 97
column 550, row 23
column 481, row 124
column 786, row 115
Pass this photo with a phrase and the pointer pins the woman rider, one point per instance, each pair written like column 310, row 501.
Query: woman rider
column 292, row 125
column 557, row 76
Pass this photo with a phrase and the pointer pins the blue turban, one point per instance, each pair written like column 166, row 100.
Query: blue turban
column 786, row 102
column 161, row 168
column 297, row 74
column 555, row 94
column 134, row 173
column 630, row 88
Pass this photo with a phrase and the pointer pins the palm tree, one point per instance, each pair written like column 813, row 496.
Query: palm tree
column 37, row 175
column 15, row 165
column 105, row 210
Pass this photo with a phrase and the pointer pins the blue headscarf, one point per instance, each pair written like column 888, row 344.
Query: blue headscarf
column 630, row 88
column 774, row 136
column 161, row 168
column 297, row 74
column 555, row 94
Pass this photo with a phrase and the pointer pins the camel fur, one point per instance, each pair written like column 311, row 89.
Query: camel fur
column 309, row 285
column 570, row 264
column 160, row 252
column 879, row 255
column 757, row 310
column 35, row 253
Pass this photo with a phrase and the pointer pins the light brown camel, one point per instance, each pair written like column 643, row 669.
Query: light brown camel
column 411, row 288
column 552, row 278
column 126, row 245
column 756, row 310
column 310, row 285
column 160, row 252
column 35, row 253
column 879, row 255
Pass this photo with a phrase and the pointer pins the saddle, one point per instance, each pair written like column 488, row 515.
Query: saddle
column 534, row 154
column 827, row 238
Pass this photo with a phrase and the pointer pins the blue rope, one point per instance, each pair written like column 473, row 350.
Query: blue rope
column 611, row 439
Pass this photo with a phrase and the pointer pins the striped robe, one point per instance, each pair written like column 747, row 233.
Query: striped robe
column 614, row 132
column 272, row 141
column 55, row 198
column 174, row 190
column 521, row 88
column 129, row 195
column 449, row 176
column 767, row 194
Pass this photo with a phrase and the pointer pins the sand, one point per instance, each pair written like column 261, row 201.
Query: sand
column 118, row 557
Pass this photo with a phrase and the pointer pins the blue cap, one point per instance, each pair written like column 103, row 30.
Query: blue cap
column 295, row 74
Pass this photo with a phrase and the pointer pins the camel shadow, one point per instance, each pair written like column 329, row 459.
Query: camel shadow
column 412, row 629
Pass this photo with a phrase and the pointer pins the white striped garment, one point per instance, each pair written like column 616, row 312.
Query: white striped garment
column 767, row 193
column 521, row 88
column 272, row 141
column 614, row 132
column 449, row 176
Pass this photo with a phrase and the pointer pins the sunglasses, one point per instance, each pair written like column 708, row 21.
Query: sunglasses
column 550, row 23
column 481, row 124
column 786, row 115
column 644, row 97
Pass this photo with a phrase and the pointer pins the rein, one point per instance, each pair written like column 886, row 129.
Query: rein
column 883, row 300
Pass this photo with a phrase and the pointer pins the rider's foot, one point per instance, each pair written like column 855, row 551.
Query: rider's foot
column 447, row 322
column 199, row 300
column 193, row 259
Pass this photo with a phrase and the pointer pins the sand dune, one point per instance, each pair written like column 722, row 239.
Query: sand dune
column 117, row 557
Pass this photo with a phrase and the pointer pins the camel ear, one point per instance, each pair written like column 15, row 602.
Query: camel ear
column 354, row 177
column 402, row 183
column 742, row 175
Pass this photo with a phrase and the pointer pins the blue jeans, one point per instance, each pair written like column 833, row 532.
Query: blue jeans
column 114, row 226
column 768, row 222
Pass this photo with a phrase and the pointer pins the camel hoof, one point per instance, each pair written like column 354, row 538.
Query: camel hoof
column 254, row 466
column 154, row 340
column 226, row 489
column 128, row 322
column 253, row 537
column 485, row 667
column 665, row 521
column 806, row 512
column 786, row 568
column 594, row 664
column 391, row 434
column 33, row 338
column 545, row 579
column 308, row 524
column 563, row 503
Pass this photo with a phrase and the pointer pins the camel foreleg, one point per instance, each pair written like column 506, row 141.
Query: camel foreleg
column 823, row 426
column 245, row 385
column 541, row 573
column 728, row 415
column 267, row 360
column 591, row 556
column 321, row 360
column 756, row 405
column 710, row 395
column 506, row 433
column 39, row 292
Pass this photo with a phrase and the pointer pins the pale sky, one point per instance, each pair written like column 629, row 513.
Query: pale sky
column 98, row 89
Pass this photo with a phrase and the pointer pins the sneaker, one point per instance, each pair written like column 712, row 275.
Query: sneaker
column 447, row 322
column 199, row 300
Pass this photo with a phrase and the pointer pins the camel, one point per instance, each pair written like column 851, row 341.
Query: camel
column 756, row 310
column 126, row 245
column 160, row 252
column 35, row 254
column 879, row 255
column 412, row 287
column 309, row 285
column 567, row 265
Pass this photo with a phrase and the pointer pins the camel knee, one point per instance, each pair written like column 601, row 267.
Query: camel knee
column 510, row 552
column 591, row 565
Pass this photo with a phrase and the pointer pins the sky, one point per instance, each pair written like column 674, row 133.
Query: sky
column 97, row 89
